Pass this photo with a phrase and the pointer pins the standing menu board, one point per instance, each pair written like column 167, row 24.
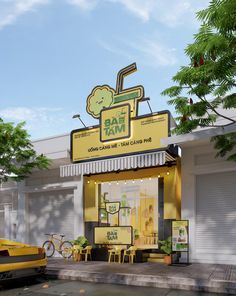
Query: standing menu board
column 180, row 237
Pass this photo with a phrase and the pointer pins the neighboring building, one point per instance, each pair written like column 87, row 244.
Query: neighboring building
column 208, row 198
column 8, row 209
column 35, row 206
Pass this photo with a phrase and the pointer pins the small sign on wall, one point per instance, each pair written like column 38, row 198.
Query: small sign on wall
column 112, row 207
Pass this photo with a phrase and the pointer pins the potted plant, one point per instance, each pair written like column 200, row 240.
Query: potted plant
column 81, row 242
column 78, row 245
column 166, row 247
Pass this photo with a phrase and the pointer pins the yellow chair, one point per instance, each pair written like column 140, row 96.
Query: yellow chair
column 116, row 251
column 86, row 252
column 131, row 253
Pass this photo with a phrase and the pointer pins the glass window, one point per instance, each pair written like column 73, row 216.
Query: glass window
column 139, row 208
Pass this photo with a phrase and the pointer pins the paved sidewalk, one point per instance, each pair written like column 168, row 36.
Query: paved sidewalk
column 195, row 277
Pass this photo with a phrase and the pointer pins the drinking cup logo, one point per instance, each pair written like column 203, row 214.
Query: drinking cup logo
column 104, row 96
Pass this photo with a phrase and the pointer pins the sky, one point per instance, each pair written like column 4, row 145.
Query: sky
column 54, row 52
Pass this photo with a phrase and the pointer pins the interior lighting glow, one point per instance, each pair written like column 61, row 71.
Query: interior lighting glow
column 141, row 180
column 88, row 182
column 133, row 181
column 167, row 173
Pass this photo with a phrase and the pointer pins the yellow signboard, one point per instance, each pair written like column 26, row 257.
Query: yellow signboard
column 118, row 235
column 115, row 123
column 146, row 133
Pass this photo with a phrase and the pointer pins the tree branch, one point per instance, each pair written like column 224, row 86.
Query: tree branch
column 212, row 108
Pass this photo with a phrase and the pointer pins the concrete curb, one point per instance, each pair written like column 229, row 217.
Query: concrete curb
column 201, row 285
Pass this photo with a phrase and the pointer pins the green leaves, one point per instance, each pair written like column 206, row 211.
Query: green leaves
column 224, row 144
column 17, row 156
column 220, row 15
column 172, row 91
column 199, row 108
column 229, row 101
column 210, row 76
column 80, row 241
column 166, row 245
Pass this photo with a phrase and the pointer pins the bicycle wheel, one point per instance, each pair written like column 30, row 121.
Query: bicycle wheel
column 66, row 249
column 49, row 248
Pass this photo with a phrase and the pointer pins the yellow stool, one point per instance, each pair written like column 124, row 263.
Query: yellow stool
column 115, row 252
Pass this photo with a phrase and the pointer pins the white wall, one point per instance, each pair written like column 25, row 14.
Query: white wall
column 8, row 205
column 54, row 147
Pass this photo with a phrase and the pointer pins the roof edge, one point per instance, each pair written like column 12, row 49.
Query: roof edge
column 198, row 135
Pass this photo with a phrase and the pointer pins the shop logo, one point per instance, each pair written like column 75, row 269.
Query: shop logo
column 115, row 123
column 112, row 235
column 104, row 96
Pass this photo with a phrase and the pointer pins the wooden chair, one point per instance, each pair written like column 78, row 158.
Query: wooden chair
column 116, row 251
column 131, row 253
column 86, row 252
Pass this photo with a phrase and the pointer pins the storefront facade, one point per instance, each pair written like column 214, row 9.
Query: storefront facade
column 120, row 161
column 124, row 165
column 149, row 196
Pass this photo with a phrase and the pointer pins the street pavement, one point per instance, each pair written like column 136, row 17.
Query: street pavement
column 44, row 287
column 213, row 278
column 97, row 278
